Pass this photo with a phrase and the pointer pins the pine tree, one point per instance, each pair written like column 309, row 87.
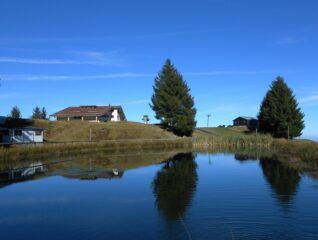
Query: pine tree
column 36, row 113
column 43, row 114
column 280, row 114
column 172, row 102
column 15, row 112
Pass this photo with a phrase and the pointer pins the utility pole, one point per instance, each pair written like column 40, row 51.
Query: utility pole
column 288, row 132
column 208, row 116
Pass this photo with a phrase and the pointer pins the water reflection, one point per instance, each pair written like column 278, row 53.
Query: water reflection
column 27, row 173
column 157, row 196
column 175, row 184
column 94, row 174
column 284, row 180
column 84, row 168
column 245, row 157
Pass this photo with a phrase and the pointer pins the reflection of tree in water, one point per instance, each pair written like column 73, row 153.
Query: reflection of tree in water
column 244, row 157
column 283, row 180
column 174, row 185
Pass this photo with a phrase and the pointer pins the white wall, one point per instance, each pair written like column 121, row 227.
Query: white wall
column 28, row 136
column 115, row 116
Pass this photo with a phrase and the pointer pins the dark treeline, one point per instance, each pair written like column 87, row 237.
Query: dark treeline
column 38, row 113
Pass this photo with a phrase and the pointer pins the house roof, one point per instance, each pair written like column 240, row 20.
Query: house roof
column 9, row 122
column 2, row 119
column 83, row 111
column 246, row 118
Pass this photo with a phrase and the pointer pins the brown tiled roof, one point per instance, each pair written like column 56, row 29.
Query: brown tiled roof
column 83, row 111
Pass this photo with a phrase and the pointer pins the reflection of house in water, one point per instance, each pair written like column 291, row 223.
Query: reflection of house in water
column 14, row 175
column 94, row 174
column 68, row 169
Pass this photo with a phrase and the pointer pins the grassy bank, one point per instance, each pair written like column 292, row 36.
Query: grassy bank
column 296, row 150
column 114, row 146
column 64, row 138
column 64, row 131
column 77, row 148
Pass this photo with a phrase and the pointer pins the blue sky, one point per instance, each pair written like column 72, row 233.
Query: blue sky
column 68, row 53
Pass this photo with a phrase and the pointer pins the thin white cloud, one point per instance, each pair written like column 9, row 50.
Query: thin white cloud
column 230, row 72
column 309, row 99
column 15, row 95
column 136, row 102
column 76, row 58
column 43, row 61
column 288, row 41
column 169, row 34
column 103, row 61
column 115, row 37
column 23, row 77
column 73, row 77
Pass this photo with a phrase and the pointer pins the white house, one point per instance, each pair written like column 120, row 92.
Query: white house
column 15, row 131
column 91, row 113
column 21, row 135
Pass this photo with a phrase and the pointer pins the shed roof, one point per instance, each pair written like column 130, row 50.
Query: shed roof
column 83, row 111
column 23, row 128
column 246, row 118
column 9, row 122
column 2, row 119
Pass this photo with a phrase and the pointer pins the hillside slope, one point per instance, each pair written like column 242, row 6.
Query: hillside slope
column 208, row 132
column 80, row 131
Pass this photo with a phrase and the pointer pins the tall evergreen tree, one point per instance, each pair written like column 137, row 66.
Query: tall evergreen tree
column 43, row 113
column 280, row 114
column 36, row 113
column 15, row 112
column 172, row 102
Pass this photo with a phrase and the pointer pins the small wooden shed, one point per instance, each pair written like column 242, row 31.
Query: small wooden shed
column 250, row 122
column 20, row 131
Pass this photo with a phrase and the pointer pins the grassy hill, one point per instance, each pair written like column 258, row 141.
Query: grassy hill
column 63, row 131
column 208, row 132
column 80, row 131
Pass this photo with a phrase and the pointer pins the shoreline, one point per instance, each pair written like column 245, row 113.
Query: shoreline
column 296, row 149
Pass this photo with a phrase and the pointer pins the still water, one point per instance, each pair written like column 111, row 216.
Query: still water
column 157, row 196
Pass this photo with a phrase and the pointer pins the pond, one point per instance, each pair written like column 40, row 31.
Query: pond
column 157, row 196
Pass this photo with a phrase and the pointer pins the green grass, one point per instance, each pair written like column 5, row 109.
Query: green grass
column 63, row 131
column 208, row 132
column 123, row 136
column 25, row 152
column 235, row 142
column 297, row 149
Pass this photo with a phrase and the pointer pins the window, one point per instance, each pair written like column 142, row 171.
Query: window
column 38, row 133
column 61, row 118
column 90, row 118
column 17, row 132
column 5, row 132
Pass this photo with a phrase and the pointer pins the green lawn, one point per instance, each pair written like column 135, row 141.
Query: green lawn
column 80, row 131
column 208, row 132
